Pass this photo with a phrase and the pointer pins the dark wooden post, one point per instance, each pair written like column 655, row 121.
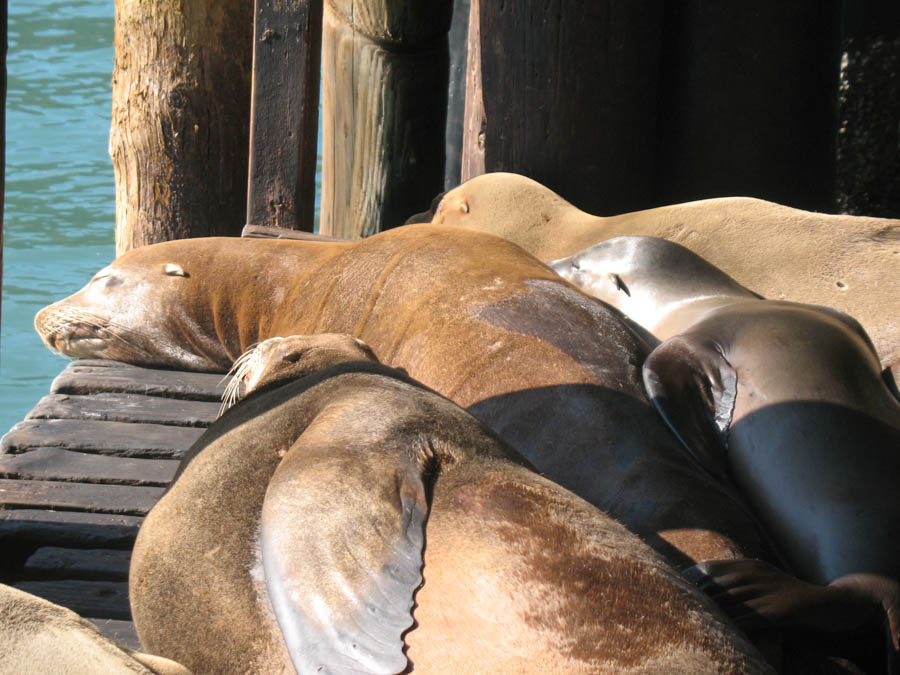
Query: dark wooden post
column 180, row 118
column 748, row 104
column 384, row 70
column 868, row 146
column 567, row 96
column 287, row 47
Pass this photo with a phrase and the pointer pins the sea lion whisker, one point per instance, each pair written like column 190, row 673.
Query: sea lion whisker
column 237, row 373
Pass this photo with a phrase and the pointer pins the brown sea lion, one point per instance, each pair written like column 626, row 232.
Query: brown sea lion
column 846, row 262
column 38, row 637
column 554, row 372
column 786, row 400
column 295, row 534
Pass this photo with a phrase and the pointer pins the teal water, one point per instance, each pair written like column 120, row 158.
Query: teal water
column 60, row 201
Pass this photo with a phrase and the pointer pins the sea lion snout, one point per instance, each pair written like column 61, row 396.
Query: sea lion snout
column 72, row 331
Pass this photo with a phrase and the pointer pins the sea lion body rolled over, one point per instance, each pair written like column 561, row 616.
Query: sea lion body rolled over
column 788, row 401
column 294, row 534
column 554, row 372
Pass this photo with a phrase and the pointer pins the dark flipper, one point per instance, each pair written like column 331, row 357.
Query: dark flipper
column 342, row 539
column 694, row 388
column 759, row 596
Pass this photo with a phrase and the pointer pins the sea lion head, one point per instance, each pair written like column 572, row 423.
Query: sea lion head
column 642, row 276
column 287, row 358
column 511, row 206
column 148, row 307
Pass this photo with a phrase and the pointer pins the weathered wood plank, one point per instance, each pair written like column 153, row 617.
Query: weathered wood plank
column 99, row 599
column 52, row 562
column 55, row 464
column 151, row 441
column 287, row 49
column 265, row 232
column 91, row 377
column 384, row 74
column 133, row 500
column 69, row 528
column 120, row 632
column 119, row 407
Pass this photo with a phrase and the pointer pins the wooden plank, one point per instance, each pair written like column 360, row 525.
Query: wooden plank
column 133, row 500
column 69, row 528
column 120, row 632
column 55, row 464
column 265, row 232
column 52, row 562
column 284, row 118
column 151, row 441
column 118, row 407
column 91, row 377
column 385, row 67
column 99, row 599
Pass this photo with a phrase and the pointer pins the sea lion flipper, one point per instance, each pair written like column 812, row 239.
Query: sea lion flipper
column 341, row 542
column 694, row 387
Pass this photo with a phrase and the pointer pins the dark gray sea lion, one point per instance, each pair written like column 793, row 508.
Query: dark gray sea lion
column 847, row 262
column 38, row 637
column 296, row 530
column 785, row 400
column 554, row 372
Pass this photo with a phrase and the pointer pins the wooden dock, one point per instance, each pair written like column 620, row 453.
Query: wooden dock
column 79, row 474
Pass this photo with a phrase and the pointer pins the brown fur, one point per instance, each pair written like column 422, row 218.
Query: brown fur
column 519, row 574
column 38, row 637
column 846, row 262
column 555, row 373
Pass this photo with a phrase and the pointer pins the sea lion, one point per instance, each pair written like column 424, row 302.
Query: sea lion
column 786, row 400
column 41, row 638
column 474, row 317
column 294, row 535
column 846, row 262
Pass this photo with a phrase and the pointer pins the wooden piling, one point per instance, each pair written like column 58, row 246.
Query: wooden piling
column 287, row 46
column 180, row 118
column 384, row 87
column 749, row 101
column 564, row 91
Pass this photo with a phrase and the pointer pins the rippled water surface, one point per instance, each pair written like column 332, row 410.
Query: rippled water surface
column 60, row 206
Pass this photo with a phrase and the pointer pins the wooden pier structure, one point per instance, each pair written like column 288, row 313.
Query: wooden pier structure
column 629, row 121
column 83, row 469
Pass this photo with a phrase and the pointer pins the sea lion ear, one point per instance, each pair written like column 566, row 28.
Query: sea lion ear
column 341, row 539
column 175, row 270
column 693, row 386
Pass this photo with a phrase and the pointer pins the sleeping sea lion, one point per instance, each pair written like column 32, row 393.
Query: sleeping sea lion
column 295, row 536
column 787, row 401
column 38, row 637
column 846, row 262
column 554, row 372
